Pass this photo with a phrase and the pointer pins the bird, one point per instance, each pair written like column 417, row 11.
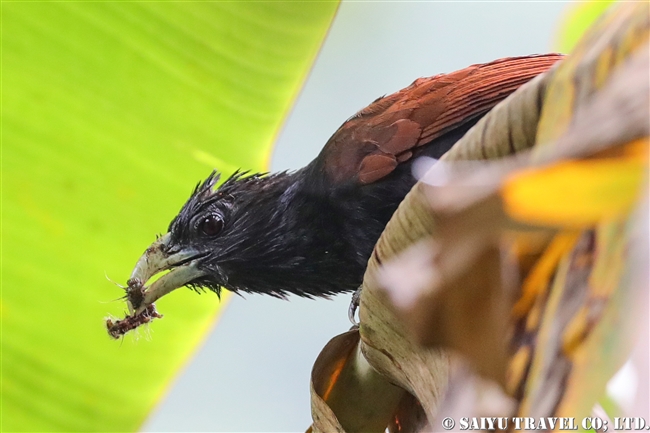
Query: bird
column 310, row 232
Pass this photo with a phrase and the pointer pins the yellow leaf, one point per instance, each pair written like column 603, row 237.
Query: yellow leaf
column 578, row 193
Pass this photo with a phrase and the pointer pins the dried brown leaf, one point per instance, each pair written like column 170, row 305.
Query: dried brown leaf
column 347, row 394
column 575, row 295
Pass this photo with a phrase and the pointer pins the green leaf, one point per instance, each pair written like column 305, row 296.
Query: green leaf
column 578, row 18
column 111, row 112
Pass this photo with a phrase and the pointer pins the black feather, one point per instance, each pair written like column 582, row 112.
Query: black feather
column 291, row 232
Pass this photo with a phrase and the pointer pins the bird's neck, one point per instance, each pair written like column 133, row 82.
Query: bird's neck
column 313, row 239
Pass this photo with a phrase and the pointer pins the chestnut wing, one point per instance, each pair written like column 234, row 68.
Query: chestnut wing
column 369, row 145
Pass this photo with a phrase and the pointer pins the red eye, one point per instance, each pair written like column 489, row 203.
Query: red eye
column 211, row 225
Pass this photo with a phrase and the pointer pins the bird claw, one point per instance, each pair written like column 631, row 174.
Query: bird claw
column 354, row 305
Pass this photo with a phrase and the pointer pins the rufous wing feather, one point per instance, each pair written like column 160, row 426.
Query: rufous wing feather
column 386, row 133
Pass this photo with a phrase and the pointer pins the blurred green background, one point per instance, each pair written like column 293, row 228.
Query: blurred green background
column 111, row 112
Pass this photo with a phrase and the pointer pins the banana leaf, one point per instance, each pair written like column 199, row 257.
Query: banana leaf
column 111, row 111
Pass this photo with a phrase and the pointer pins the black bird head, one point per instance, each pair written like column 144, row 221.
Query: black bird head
column 255, row 233
column 221, row 229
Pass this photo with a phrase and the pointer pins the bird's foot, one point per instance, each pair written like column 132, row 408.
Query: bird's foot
column 354, row 305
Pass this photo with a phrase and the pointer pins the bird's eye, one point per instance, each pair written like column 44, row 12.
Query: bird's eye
column 211, row 225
